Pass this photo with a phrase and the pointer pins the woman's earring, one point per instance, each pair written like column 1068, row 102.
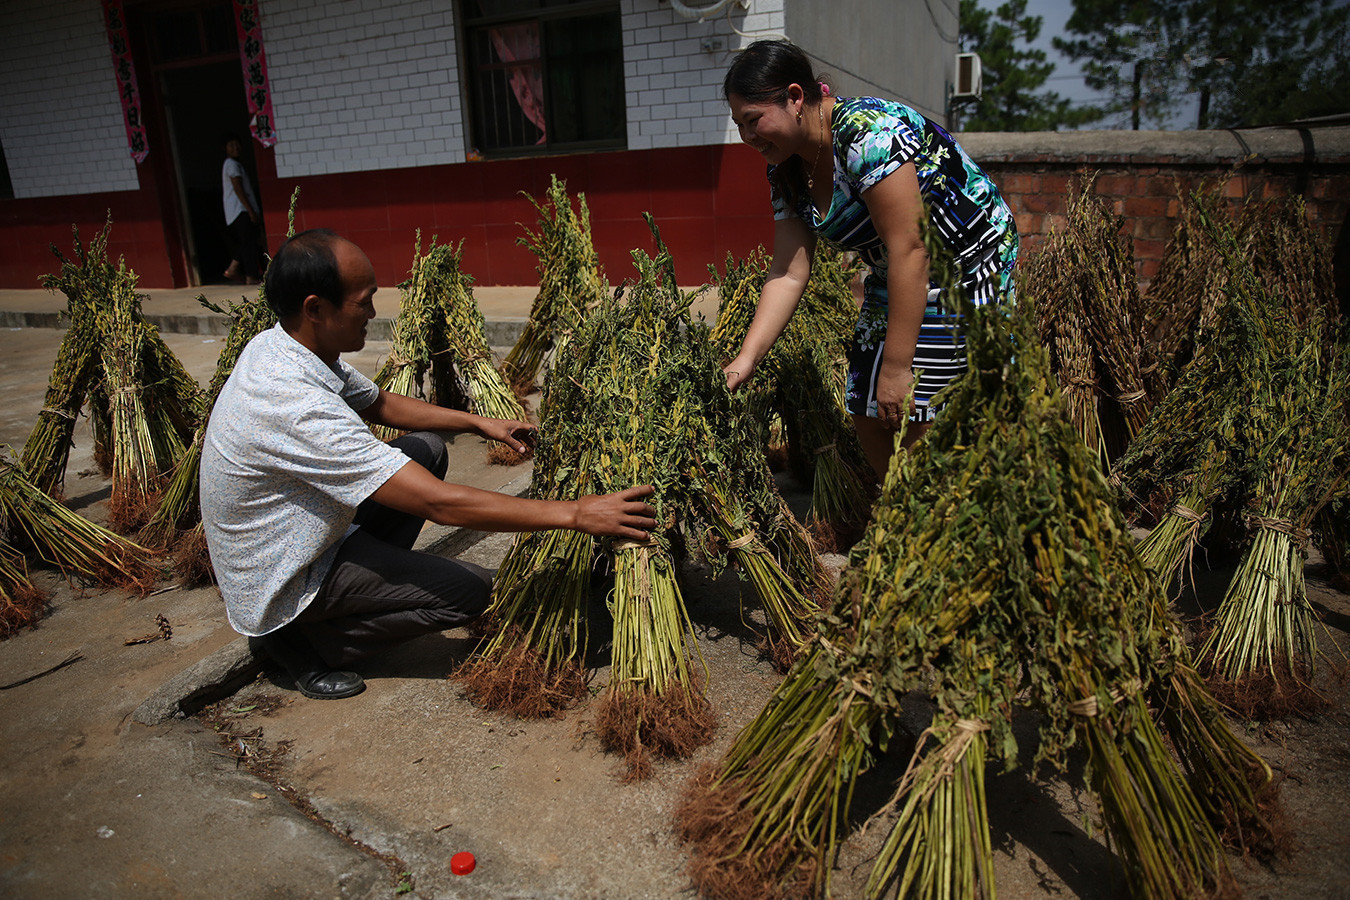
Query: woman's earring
column 799, row 117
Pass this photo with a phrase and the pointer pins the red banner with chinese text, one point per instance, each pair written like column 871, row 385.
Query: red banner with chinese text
column 248, row 21
column 125, row 70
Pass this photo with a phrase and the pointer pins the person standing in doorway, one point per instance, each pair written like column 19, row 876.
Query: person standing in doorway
column 243, row 215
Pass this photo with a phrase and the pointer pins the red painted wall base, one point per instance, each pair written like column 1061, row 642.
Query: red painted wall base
column 707, row 201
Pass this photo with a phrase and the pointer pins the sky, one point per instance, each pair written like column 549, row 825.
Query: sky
column 1067, row 80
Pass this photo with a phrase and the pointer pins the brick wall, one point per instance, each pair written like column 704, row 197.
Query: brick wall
column 1143, row 174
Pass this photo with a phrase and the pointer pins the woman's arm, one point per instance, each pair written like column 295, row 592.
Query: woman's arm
column 896, row 207
column 793, row 244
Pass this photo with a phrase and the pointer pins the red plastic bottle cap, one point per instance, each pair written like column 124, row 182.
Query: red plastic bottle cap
column 462, row 863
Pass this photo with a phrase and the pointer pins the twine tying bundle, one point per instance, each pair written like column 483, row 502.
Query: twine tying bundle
column 1089, row 707
column 475, row 358
column 1286, row 527
column 1132, row 397
column 1185, row 513
column 964, row 732
column 826, row 449
column 748, row 538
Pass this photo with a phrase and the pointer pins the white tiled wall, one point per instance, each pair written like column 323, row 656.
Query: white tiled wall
column 359, row 85
column 60, row 118
column 674, row 66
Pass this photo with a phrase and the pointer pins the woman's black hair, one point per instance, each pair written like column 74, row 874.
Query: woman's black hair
column 305, row 264
column 762, row 73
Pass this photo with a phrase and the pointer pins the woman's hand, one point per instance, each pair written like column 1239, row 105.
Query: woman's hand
column 516, row 435
column 738, row 372
column 895, row 395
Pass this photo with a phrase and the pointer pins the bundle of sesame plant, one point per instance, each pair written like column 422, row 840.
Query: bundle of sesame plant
column 802, row 382
column 47, row 449
column 738, row 289
column 1061, row 325
column 465, row 336
column 654, row 703
column 61, row 537
column 597, row 435
column 1263, row 636
column 812, row 385
column 1092, row 311
column 1260, row 411
column 791, row 613
column 809, row 372
column 1291, row 258
column 21, row 601
column 142, row 402
column 996, row 572
column 637, row 396
column 1078, row 381
column 418, row 331
column 570, row 282
column 749, row 523
column 1190, row 462
column 534, row 665
column 151, row 412
column 1186, row 291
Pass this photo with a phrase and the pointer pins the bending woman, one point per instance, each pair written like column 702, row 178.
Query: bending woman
column 860, row 172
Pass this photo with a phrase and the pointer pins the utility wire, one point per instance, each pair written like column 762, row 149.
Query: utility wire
column 938, row 25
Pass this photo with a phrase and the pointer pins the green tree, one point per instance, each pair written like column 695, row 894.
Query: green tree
column 1252, row 62
column 1013, row 72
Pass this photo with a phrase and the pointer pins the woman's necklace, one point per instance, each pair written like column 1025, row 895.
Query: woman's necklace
column 810, row 175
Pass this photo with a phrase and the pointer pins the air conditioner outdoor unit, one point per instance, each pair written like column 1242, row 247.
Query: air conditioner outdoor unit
column 967, row 77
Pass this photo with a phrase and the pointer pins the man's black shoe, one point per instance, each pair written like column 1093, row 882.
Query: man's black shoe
column 330, row 685
column 313, row 677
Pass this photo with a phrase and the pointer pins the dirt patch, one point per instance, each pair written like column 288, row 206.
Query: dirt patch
column 247, row 746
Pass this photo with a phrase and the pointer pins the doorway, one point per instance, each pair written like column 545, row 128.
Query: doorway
column 198, row 97
column 202, row 104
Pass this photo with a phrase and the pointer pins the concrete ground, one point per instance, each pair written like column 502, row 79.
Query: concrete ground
column 116, row 785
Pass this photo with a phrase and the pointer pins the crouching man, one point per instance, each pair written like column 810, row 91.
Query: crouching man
column 310, row 519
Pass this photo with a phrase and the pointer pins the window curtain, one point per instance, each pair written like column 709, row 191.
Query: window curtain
column 520, row 44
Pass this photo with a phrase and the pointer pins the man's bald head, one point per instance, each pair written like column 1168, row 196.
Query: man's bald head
column 306, row 264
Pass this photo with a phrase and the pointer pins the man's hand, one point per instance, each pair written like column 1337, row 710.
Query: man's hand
column 519, row 436
column 617, row 515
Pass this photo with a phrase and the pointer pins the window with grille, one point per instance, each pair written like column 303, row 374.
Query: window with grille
column 6, row 186
column 544, row 75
